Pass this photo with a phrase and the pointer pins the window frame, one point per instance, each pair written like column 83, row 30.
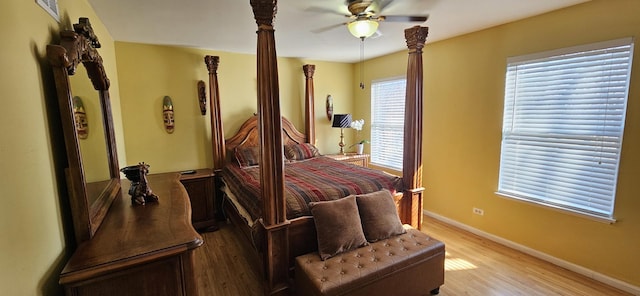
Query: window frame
column 518, row 138
column 392, row 154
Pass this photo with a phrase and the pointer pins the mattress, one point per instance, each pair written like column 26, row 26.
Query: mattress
column 311, row 180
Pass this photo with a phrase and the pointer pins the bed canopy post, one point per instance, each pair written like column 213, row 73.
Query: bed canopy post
column 217, row 131
column 309, row 123
column 412, row 158
column 275, row 250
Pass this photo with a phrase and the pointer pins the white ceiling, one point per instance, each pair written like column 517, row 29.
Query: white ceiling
column 228, row 25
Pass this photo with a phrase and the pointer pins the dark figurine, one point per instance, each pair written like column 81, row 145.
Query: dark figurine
column 140, row 191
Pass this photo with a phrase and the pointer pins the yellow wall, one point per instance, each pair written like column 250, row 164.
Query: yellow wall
column 464, row 81
column 34, row 224
column 464, row 92
column 147, row 73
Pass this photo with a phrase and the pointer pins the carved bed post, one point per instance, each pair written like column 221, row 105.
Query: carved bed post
column 310, row 118
column 275, row 250
column 217, row 131
column 412, row 158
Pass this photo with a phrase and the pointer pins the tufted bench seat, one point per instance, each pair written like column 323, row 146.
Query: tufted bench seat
column 407, row 264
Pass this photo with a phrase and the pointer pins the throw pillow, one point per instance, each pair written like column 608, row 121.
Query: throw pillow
column 247, row 156
column 300, row 151
column 379, row 215
column 338, row 226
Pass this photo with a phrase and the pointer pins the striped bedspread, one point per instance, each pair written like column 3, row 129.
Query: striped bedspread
column 316, row 179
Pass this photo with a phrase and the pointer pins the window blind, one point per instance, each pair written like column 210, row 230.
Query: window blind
column 51, row 6
column 563, row 122
column 387, row 122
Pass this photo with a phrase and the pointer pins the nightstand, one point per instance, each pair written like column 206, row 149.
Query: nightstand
column 200, row 187
column 353, row 158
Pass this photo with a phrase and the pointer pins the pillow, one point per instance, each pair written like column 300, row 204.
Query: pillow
column 379, row 215
column 247, row 156
column 338, row 226
column 300, row 151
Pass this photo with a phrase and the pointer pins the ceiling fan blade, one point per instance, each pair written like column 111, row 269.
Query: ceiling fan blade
column 318, row 9
column 327, row 28
column 404, row 18
column 382, row 4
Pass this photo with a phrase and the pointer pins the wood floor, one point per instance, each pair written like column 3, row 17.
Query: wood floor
column 474, row 266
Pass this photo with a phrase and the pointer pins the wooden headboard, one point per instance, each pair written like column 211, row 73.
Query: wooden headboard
column 247, row 136
column 248, row 133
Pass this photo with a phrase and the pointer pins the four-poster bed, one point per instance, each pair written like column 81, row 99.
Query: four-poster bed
column 314, row 178
column 280, row 237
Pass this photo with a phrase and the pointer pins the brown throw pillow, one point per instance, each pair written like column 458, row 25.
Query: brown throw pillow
column 300, row 151
column 247, row 156
column 379, row 215
column 338, row 226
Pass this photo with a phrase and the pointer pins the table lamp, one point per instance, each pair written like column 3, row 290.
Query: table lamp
column 342, row 121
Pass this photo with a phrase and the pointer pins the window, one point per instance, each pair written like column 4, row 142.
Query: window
column 387, row 122
column 562, row 129
column 51, row 6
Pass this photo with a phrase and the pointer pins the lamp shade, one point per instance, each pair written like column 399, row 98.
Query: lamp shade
column 341, row 120
column 362, row 28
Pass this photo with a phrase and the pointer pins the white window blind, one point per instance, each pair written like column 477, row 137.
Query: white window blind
column 387, row 122
column 563, row 122
column 51, row 6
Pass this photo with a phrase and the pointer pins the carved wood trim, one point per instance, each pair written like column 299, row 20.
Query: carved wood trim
column 412, row 154
column 275, row 253
column 247, row 136
column 217, row 130
column 309, row 110
column 79, row 46
column 271, row 160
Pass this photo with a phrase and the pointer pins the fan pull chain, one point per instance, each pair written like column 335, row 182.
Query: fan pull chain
column 361, row 62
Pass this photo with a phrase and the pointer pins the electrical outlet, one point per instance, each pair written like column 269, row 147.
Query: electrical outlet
column 478, row 211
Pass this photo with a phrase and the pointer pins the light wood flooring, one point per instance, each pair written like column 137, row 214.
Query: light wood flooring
column 474, row 266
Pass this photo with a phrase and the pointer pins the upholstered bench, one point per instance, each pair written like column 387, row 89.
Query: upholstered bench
column 407, row 264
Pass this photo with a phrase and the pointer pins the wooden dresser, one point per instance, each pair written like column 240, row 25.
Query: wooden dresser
column 139, row 250
column 354, row 158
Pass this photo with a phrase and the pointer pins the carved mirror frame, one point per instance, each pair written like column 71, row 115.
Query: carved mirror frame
column 89, row 201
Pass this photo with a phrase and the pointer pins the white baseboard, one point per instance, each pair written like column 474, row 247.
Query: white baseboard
column 635, row 290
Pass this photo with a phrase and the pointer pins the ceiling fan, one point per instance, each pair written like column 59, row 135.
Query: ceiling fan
column 366, row 15
column 363, row 22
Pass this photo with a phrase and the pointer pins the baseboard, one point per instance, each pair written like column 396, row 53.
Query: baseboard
column 635, row 290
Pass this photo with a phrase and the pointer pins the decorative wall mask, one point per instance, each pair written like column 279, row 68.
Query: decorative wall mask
column 167, row 114
column 202, row 97
column 80, row 118
column 329, row 107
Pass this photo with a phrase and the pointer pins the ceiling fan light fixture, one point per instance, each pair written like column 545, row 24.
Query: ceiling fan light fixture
column 362, row 28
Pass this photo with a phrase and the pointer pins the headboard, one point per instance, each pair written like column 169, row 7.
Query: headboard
column 247, row 136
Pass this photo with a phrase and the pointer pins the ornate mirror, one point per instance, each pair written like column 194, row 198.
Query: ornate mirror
column 92, row 174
